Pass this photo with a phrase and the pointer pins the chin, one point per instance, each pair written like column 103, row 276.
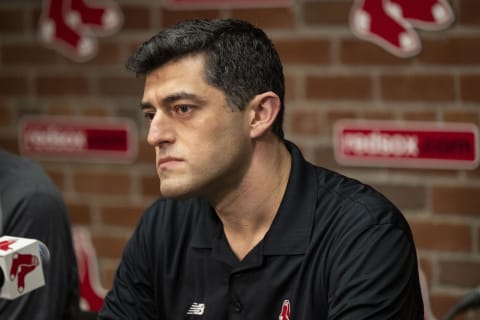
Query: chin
column 178, row 193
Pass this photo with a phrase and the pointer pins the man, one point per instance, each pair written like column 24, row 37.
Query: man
column 246, row 228
column 32, row 207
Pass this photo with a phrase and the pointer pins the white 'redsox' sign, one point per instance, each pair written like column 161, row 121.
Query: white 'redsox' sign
column 406, row 144
column 79, row 139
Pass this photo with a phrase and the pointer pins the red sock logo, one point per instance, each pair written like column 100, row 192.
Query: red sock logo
column 70, row 26
column 91, row 291
column 22, row 264
column 390, row 23
column 285, row 313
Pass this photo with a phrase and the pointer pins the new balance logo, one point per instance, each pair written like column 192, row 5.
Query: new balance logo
column 196, row 309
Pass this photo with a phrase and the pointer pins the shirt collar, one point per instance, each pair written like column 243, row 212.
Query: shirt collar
column 291, row 229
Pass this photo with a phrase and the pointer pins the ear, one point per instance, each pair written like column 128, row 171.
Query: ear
column 264, row 109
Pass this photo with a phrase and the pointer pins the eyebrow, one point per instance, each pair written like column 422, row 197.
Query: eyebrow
column 175, row 97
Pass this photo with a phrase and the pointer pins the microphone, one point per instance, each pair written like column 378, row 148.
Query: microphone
column 22, row 261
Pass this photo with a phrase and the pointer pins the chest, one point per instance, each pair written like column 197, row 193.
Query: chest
column 207, row 285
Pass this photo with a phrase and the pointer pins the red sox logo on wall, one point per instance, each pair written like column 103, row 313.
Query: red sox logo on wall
column 71, row 26
column 390, row 23
column 91, row 291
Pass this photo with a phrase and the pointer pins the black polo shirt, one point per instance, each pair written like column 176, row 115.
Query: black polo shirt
column 337, row 249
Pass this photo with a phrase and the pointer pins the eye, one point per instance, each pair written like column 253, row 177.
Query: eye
column 148, row 115
column 183, row 109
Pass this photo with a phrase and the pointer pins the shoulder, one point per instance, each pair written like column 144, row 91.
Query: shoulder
column 349, row 201
column 29, row 199
column 22, row 179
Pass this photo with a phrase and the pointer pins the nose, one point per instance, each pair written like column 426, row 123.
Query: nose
column 161, row 130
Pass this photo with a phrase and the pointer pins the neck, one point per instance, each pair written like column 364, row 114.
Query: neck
column 248, row 211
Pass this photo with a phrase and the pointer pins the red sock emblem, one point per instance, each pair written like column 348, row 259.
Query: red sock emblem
column 22, row 264
column 91, row 291
column 390, row 23
column 285, row 313
column 71, row 26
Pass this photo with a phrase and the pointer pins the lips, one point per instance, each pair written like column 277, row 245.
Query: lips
column 166, row 161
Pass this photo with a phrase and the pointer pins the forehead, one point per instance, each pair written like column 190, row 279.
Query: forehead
column 178, row 80
column 189, row 67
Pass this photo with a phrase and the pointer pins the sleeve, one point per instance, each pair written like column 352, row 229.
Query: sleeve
column 374, row 275
column 43, row 216
column 132, row 294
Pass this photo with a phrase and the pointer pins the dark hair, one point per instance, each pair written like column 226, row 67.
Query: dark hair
column 240, row 59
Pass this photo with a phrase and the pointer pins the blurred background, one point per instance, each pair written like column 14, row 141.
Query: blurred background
column 330, row 75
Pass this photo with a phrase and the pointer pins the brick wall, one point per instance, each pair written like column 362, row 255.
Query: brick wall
column 330, row 75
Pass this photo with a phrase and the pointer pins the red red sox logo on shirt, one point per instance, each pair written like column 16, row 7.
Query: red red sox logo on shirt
column 285, row 313
column 390, row 23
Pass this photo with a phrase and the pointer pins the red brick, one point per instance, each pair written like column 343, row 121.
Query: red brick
column 121, row 86
column 62, row 85
column 324, row 157
column 12, row 20
column 133, row 46
column 404, row 197
column 443, row 302
column 336, row 114
column 101, row 183
column 305, row 122
column 13, row 85
column 108, row 246
column 150, row 185
column 469, row 88
column 451, row 51
column 461, row 116
column 423, row 172
column 290, row 89
column 359, row 52
column 339, row 87
column 419, row 116
column 327, row 13
column 378, row 115
column 460, row 273
column 146, row 154
column 95, row 111
column 425, row 266
column 27, row 54
column 79, row 213
column 456, row 200
column 9, row 144
column 34, row 16
column 58, row 177
column 108, row 276
column 267, row 18
column 136, row 18
column 468, row 13
column 304, row 51
column 60, row 110
column 124, row 216
column 171, row 17
column 431, row 235
column 109, row 53
column 6, row 114
column 417, row 87
column 474, row 173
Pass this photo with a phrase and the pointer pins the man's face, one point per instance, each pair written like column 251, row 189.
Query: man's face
column 201, row 146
